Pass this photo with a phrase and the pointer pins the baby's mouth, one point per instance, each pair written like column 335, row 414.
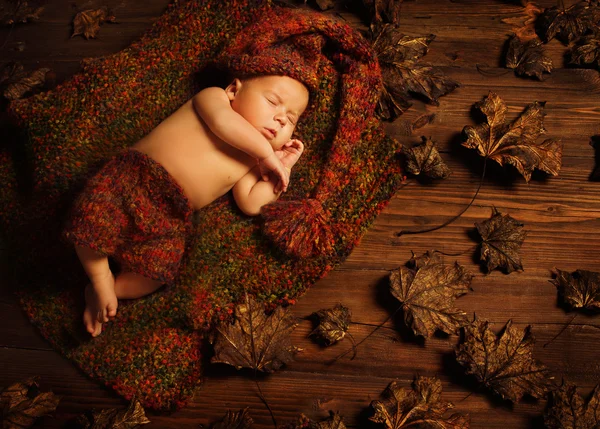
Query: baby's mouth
column 270, row 133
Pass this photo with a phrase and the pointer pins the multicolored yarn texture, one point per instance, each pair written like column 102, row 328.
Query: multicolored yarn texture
column 154, row 348
column 134, row 211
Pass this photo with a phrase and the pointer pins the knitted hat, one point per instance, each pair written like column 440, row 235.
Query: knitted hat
column 304, row 45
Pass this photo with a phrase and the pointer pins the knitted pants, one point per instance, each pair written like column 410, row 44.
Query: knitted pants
column 134, row 211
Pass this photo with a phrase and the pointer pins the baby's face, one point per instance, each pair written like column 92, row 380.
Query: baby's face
column 272, row 104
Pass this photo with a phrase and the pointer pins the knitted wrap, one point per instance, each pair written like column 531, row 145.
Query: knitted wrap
column 154, row 348
column 304, row 45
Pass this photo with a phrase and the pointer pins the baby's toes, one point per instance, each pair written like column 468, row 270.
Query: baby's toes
column 91, row 323
column 111, row 310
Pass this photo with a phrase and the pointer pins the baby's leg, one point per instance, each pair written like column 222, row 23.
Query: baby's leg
column 132, row 285
column 100, row 299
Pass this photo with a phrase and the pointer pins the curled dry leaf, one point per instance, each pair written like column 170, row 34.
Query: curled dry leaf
column 87, row 23
column 255, row 340
column 502, row 237
column 333, row 324
column 514, row 143
column 112, row 418
column 586, row 51
column 580, row 289
column 567, row 409
column 527, row 58
column 568, row 24
column 403, row 75
column 405, row 408
column 21, row 13
column 504, row 364
column 427, row 293
column 22, row 404
column 235, row 420
column 425, row 158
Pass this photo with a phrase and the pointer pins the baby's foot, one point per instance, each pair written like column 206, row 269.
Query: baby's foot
column 101, row 305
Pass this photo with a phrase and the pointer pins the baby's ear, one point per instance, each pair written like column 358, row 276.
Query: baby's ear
column 233, row 88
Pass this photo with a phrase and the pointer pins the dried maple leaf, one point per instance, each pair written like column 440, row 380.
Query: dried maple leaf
column 527, row 58
column 22, row 404
column 586, row 51
column 334, row 421
column 87, row 23
column 22, row 83
column 514, row 144
column 255, row 340
column 384, row 11
column 568, row 24
column 425, row 158
column 21, row 13
column 112, row 418
column 333, row 324
column 398, row 56
column 502, row 237
column 420, row 407
column 427, row 293
column 568, row 410
column 238, row 420
column 504, row 364
column 580, row 289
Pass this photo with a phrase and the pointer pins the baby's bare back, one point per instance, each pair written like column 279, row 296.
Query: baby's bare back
column 203, row 165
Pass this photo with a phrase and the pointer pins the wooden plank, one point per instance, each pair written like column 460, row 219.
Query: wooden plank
column 312, row 387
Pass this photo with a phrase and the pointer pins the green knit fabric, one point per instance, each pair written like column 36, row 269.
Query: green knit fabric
column 154, row 347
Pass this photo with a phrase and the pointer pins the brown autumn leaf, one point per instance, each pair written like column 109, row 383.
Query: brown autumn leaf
column 425, row 158
column 504, row 364
column 403, row 408
column 502, row 237
column 21, row 83
column 87, row 23
column 255, row 340
column 580, row 289
column 514, row 143
column 332, row 324
column 112, row 418
column 22, row 404
column 403, row 75
column 568, row 409
column 427, row 290
column 383, row 11
column 335, row 421
column 20, row 12
column 586, row 51
column 568, row 24
column 235, row 420
column 527, row 58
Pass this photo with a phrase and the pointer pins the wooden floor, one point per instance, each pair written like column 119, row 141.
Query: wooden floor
column 561, row 216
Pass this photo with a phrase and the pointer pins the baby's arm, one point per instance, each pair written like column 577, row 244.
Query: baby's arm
column 251, row 193
column 214, row 107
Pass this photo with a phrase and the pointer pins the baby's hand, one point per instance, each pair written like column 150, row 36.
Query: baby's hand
column 290, row 153
column 273, row 164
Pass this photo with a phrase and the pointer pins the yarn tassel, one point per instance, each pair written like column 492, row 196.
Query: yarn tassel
column 301, row 228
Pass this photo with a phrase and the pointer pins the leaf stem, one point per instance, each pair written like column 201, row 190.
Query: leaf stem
column 448, row 222
column 355, row 346
column 562, row 330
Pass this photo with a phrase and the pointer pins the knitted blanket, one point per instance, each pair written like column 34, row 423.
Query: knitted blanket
column 153, row 349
